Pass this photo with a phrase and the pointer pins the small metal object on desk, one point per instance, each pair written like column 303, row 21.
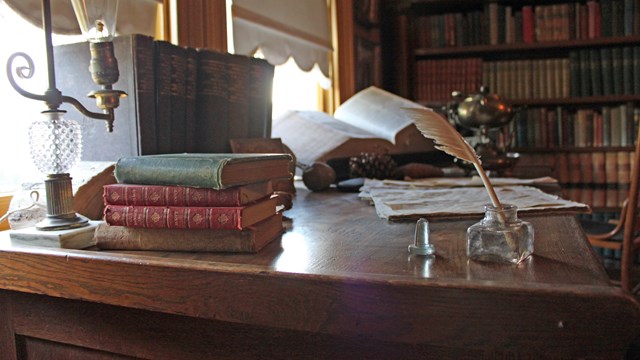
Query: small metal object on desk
column 421, row 246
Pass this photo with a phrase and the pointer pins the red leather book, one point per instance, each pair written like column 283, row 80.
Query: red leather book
column 160, row 195
column 184, row 217
column 528, row 24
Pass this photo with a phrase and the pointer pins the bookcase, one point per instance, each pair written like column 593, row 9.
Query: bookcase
column 571, row 68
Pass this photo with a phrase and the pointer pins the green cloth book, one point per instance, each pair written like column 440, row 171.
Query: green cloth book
column 214, row 171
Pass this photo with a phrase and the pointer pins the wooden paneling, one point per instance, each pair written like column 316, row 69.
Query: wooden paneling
column 201, row 23
column 5, row 201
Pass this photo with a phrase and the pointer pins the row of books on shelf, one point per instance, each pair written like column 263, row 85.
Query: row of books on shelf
column 180, row 99
column 597, row 178
column 588, row 72
column 596, row 196
column 193, row 202
column 558, row 127
column 436, row 79
column 605, row 71
column 506, row 23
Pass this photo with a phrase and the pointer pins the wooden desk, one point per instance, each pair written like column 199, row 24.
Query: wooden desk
column 339, row 284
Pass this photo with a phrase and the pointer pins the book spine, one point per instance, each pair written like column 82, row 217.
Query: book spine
column 191, row 78
column 606, row 69
column 250, row 240
column 158, row 195
column 212, row 105
column 178, row 98
column 611, row 177
column 617, row 66
column 239, row 70
column 596, row 72
column 173, row 217
column 636, row 67
column 163, row 96
column 627, row 69
column 624, row 175
column 585, row 73
column 143, row 49
column 202, row 172
column 260, row 94
column 528, row 24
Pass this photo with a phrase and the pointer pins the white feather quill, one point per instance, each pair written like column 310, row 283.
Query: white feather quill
column 436, row 127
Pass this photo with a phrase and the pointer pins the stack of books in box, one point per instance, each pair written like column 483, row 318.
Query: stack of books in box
column 193, row 202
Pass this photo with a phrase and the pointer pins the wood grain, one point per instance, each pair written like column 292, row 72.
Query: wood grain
column 340, row 271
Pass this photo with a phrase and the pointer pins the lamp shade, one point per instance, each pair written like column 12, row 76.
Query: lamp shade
column 97, row 18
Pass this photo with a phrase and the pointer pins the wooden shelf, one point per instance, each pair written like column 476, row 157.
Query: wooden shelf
column 589, row 101
column 572, row 149
column 460, row 51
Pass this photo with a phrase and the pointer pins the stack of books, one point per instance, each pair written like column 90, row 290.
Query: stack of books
column 193, row 202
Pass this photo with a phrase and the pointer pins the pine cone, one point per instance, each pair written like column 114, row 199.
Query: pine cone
column 372, row 166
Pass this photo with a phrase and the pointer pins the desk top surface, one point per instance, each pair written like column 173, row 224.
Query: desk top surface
column 338, row 265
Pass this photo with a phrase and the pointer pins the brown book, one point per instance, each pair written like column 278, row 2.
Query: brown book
column 259, row 93
column 624, row 175
column 159, row 195
column 163, row 96
column 586, row 168
column 562, row 168
column 598, row 164
column 178, row 97
column 611, row 176
column 212, row 107
column 190, row 217
column 239, row 71
column 191, row 79
column 249, row 240
column 574, row 168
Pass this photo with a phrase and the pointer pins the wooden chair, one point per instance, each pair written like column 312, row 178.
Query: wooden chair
column 624, row 236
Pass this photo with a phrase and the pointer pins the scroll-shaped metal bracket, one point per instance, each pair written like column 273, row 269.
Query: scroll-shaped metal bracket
column 107, row 99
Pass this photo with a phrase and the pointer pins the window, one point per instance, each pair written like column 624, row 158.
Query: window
column 295, row 89
column 19, row 111
column 284, row 31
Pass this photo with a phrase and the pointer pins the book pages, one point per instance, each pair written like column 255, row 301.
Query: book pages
column 378, row 111
column 394, row 203
column 449, row 182
column 323, row 133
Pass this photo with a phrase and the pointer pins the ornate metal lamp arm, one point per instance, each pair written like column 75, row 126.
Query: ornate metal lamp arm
column 107, row 99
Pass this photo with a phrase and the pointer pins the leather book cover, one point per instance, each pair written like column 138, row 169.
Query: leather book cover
column 239, row 71
column 191, row 78
column 212, row 110
column 134, row 131
column 259, row 90
column 190, row 217
column 215, row 171
column 250, row 240
column 163, row 95
column 178, row 98
column 158, row 195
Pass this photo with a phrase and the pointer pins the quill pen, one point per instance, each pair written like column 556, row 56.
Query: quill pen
column 436, row 127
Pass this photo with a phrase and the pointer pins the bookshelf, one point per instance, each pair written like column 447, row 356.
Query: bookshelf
column 572, row 68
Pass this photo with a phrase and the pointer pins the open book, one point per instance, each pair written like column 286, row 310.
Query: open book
column 370, row 121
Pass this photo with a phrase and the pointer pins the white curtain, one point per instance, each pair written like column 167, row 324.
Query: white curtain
column 134, row 16
column 283, row 29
